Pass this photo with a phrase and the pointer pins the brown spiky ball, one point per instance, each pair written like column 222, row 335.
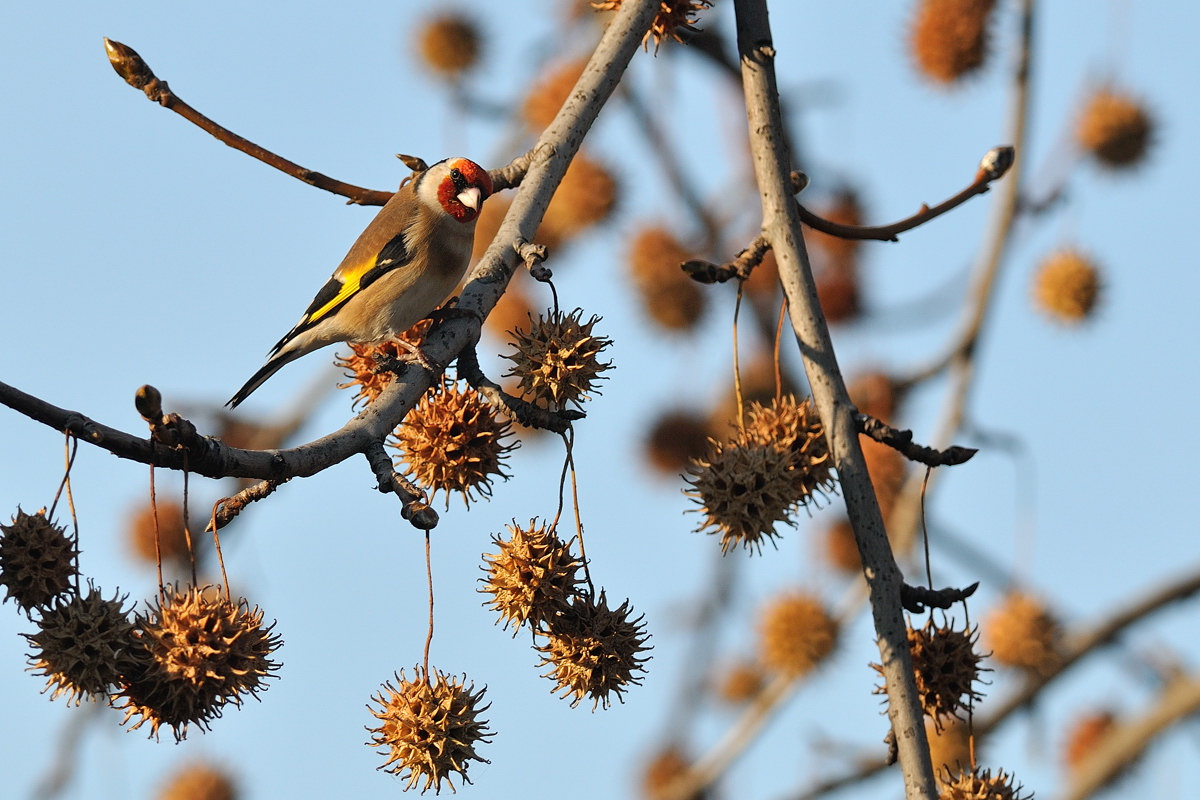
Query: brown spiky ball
column 980, row 785
column 946, row 667
column 84, row 646
column 198, row 652
column 199, row 781
column 793, row 426
column 594, row 651
column 744, row 491
column 448, row 44
column 37, row 560
column 1115, row 129
column 557, row 360
column 668, row 296
column 532, row 576
column 454, row 441
column 1021, row 632
column 1067, row 286
column 672, row 17
column 429, row 728
column 949, row 38
column 367, row 364
column 796, row 634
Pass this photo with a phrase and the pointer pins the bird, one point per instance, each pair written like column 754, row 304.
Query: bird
column 407, row 262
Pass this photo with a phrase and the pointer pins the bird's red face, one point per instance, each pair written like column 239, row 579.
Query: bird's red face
column 464, row 189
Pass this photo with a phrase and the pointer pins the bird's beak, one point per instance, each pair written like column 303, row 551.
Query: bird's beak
column 471, row 197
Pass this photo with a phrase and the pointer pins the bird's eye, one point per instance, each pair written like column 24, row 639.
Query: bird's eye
column 457, row 178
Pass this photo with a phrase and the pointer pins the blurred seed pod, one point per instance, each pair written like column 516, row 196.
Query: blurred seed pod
column 548, row 95
column 448, row 44
column 668, row 296
column 740, row 682
column 172, row 537
column 844, row 208
column 586, row 197
column 676, row 437
column 37, row 560
column 1021, row 632
column 1067, row 286
column 428, row 728
column 199, row 781
column 949, row 746
column 948, row 39
column 513, row 310
column 796, row 634
column 1115, row 129
column 875, row 393
column 1085, row 735
column 662, row 770
column 840, row 546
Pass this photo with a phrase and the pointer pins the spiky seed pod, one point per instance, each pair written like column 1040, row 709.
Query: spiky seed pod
column 84, row 646
column 794, row 427
column 672, row 16
column 675, row 438
column 1067, row 286
column 1021, row 632
column 558, row 359
column 744, row 490
column 796, row 634
column 1115, row 129
column 586, row 196
column 661, row 772
column 199, row 781
column 547, row 97
column 448, row 44
column 669, row 297
column 1085, row 735
column 740, row 682
column 949, row 38
column 199, row 651
column 980, row 785
column 454, row 441
column 365, row 365
column 428, row 728
column 594, row 650
column 758, row 386
column 946, row 667
column 532, row 576
column 172, row 537
column 37, row 560
column 949, row 746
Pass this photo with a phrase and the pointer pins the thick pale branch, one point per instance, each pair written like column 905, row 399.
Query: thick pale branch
column 781, row 226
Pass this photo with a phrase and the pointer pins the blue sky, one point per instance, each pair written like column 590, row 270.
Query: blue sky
column 140, row 250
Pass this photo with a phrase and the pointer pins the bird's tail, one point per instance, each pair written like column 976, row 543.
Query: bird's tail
column 267, row 370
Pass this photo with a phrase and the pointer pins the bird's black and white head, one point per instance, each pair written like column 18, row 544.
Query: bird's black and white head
column 458, row 185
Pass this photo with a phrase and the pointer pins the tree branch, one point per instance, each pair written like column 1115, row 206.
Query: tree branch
column 781, row 226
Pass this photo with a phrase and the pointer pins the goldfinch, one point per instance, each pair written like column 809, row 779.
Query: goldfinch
column 407, row 261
